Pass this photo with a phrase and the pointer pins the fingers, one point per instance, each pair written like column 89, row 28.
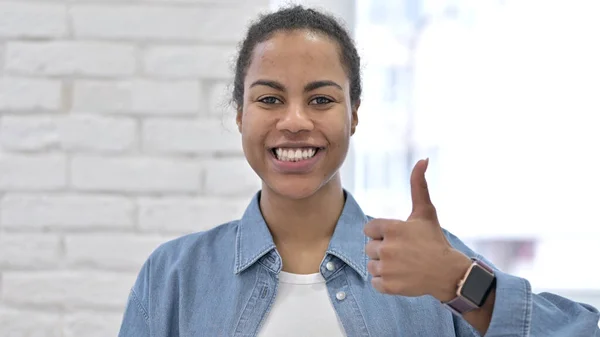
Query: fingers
column 374, row 230
column 378, row 284
column 372, row 249
column 421, row 201
column 373, row 268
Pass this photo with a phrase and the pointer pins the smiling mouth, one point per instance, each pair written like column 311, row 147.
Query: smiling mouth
column 295, row 154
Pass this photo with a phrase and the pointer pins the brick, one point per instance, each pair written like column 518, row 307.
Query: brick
column 187, row 215
column 219, row 100
column 16, row 323
column 37, row 20
column 99, row 134
column 70, row 58
column 164, row 97
column 181, row 136
column 29, row 94
column 187, row 23
column 23, row 133
column 66, row 211
column 32, row 172
column 139, row 97
column 68, row 289
column 29, row 250
column 92, row 324
column 190, row 62
column 2, row 48
column 103, row 96
column 115, row 251
column 230, row 177
column 70, row 133
column 135, row 174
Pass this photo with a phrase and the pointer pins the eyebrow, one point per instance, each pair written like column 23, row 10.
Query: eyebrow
column 309, row 87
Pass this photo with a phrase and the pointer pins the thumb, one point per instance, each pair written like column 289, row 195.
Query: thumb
column 422, row 207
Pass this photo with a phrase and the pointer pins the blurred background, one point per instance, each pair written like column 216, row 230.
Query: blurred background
column 116, row 135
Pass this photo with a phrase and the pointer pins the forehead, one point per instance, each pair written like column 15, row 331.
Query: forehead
column 299, row 55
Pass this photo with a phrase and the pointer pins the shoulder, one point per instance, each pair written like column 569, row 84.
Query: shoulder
column 196, row 246
column 187, row 259
column 182, row 266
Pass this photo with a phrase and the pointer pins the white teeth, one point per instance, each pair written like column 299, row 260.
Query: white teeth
column 295, row 154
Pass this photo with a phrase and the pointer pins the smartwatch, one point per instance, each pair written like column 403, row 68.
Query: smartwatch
column 473, row 289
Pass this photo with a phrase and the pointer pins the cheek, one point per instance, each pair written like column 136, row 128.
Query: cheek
column 338, row 137
column 254, row 129
column 342, row 130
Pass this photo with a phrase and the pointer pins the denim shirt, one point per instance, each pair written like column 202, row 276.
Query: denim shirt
column 223, row 282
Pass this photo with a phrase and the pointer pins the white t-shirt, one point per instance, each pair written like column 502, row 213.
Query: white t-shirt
column 302, row 308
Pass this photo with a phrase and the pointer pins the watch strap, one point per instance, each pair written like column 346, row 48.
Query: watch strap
column 460, row 305
column 483, row 265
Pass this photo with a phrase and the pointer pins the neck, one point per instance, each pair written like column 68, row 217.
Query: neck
column 303, row 223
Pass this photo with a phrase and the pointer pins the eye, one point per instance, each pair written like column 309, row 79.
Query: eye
column 269, row 100
column 321, row 100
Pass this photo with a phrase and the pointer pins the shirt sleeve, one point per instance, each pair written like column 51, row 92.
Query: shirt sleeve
column 135, row 319
column 519, row 312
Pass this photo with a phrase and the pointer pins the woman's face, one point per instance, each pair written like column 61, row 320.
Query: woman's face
column 297, row 117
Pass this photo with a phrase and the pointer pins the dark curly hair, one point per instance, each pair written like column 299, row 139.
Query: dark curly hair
column 294, row 18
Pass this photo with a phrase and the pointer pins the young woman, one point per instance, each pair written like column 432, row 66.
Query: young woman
column 304, row 260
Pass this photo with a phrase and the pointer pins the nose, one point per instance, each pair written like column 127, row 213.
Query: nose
column 295, row 119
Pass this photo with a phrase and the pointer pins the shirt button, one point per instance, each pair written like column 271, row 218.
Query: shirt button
column 340, row 295
column 330, row 266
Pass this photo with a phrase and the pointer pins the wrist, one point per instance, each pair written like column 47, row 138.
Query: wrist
column 457, row 265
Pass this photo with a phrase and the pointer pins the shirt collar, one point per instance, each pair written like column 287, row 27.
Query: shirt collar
column 348, row 242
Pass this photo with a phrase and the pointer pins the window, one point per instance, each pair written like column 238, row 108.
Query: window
column 503, row 97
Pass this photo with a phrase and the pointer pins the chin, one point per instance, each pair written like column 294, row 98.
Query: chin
column 294, row 188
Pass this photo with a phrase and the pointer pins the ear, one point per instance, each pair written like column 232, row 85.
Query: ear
column 238, row 120
column 354, row 121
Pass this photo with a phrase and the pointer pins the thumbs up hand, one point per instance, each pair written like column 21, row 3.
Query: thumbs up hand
column 413, row 257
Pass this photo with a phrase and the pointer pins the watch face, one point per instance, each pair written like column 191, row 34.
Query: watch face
column 477, row 285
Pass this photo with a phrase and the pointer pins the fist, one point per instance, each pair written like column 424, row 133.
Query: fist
column 413, row 257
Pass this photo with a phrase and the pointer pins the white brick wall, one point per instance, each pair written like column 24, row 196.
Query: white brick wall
column 18, row 19
column 163, row 22
column 127, row 251
column 70, row 290
column 73, row 133
column 138, row 96
column 54, row 212
column 29, row 251
column 135, row 174
column 185, row 137
column 115, row 136
column 182, row 214
column 189, row 62
column 30, row 323
column 32, row 172
column 75, row 58
column 29, row 94
column 92, row 324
